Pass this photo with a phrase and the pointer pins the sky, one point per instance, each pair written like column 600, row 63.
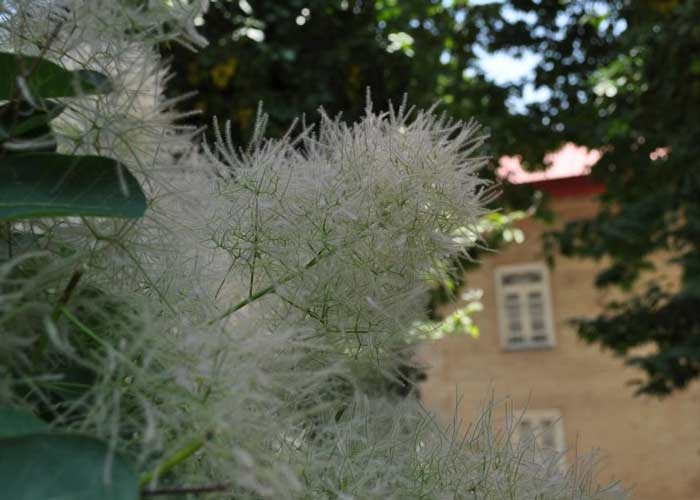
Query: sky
column 500, row 67
column 503, row 68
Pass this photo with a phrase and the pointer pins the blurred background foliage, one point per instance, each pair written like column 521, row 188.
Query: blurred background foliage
column 619, row 76
column 298, row 55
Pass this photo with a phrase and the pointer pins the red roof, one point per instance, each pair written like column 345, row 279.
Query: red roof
column 569, row 161
column 567, row 172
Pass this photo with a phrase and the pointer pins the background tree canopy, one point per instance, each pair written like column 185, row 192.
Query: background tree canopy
column 616, row 75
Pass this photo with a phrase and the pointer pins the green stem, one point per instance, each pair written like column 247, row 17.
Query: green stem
column 87, row 331
column 43, row 342
column 67, row 293
column 245, row 302
column 267, row 290
column 177, row 458
column 82, row 326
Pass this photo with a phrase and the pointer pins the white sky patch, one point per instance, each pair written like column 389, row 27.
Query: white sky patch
column 503, row 68
column 516, row 104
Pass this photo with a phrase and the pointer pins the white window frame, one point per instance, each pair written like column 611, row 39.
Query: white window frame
column 536, row 418
column 543, row 287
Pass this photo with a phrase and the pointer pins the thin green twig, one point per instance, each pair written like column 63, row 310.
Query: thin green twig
column 268, row 290
column 42, row 343
column 67, row 294
column 175, row 459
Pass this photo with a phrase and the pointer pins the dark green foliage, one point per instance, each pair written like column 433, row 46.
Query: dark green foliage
column 16, row 423
column 36, row 464
column 21, row 120
column 51, row 185
column 341, row 49
column 45, row 79
column 665, row 320
column 46, row 466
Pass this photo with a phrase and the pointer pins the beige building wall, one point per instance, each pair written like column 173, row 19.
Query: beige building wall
column 649, row 444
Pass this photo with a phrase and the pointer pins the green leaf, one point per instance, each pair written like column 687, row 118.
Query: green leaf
column 38, row 140
column 64, row 467
column 46, row 79
column 15, row 422
column 49, row 185
column 18, row 119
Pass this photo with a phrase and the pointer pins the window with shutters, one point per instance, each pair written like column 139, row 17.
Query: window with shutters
column 541, row 432
column 524, row 306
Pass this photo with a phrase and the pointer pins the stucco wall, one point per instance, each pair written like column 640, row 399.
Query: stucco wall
column 651, row 445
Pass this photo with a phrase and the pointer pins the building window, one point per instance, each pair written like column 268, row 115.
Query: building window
column 541, row 432
column 524, row 306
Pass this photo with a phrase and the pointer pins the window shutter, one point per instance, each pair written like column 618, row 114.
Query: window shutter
column 538, row 328
column 514, row 318
column 524, row 306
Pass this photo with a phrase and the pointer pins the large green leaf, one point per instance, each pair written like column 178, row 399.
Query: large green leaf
column 64, row 467
column 15, row 423
column 49, row 185
column 46, row 79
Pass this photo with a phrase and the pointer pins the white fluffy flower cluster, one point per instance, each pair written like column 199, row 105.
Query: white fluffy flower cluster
column 345, row 224
column 245, row 331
